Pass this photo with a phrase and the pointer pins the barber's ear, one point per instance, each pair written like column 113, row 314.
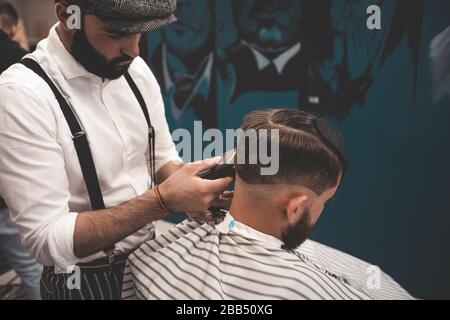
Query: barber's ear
column 13, row 32
column 61, row 13
column 296, row 208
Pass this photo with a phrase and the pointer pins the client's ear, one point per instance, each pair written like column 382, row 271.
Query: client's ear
column 296, row 208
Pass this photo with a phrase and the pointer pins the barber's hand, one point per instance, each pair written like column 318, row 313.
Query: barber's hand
column 184, row 191
column 223, row 201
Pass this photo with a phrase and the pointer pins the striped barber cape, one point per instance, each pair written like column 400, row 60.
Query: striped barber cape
column 230, row 261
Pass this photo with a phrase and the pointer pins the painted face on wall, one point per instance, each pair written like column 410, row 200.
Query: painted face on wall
column 268, row 23
column 193, row 28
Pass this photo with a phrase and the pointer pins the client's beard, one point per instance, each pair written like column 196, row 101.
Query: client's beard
column 296, row 235
column 93, row 61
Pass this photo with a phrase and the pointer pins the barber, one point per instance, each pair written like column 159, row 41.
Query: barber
column 83, row 142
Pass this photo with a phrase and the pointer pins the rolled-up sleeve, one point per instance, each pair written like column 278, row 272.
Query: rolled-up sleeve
column 33, row 179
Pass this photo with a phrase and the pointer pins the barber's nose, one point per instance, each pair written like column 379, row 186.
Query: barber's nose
column 131, row 46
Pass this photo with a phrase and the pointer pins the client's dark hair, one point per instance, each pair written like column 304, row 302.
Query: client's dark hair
column 8, row 15
column 307, row 157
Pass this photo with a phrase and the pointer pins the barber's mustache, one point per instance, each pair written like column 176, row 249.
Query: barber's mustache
column 122, row 59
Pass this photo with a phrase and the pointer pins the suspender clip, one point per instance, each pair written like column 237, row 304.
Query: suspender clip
column 78, row 135
column 151, row 132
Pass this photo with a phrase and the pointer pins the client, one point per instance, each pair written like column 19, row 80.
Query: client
column 260, row 250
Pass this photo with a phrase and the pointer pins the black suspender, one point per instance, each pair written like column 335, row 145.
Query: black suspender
column 80, row 139
column 151, row 129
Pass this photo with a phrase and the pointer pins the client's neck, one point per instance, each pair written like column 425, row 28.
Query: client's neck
column 254, row 213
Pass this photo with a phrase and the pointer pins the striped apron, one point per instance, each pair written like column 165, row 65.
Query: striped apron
column 94, row 281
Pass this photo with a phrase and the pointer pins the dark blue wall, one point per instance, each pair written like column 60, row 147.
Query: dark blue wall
column 394, row 208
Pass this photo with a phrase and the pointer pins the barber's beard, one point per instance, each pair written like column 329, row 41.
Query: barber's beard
column 298, row 234
column 93, row 61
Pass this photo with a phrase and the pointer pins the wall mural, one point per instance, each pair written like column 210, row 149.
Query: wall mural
column 225, row 58
column 386, row 90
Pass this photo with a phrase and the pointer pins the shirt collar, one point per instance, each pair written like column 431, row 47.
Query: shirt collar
column 230, row 225
column 280, row 62
column 69, row 67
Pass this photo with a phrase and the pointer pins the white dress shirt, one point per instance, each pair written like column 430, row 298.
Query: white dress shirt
column 40, row 175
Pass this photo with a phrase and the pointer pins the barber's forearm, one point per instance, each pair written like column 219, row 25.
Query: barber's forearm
column 99, row 230
column 182, row 189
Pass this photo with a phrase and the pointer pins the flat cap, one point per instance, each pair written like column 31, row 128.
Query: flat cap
column 132, row 16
